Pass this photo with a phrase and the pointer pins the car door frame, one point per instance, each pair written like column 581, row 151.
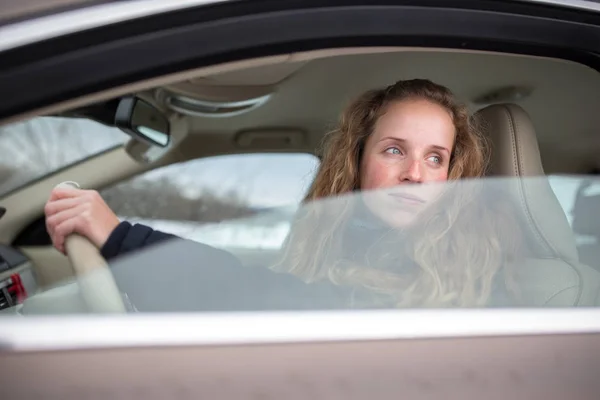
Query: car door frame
column 41, row 74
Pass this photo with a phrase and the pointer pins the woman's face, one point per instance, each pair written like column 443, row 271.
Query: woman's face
column 411, row 144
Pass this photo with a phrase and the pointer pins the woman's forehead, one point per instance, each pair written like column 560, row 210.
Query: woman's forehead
column 415, row 120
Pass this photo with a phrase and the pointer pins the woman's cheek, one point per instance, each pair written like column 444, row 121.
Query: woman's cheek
column 440, row 175
column 376, row 175
column 443, row 176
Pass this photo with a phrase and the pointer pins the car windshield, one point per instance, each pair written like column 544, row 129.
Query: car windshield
column 491, row 242
column 37, row 147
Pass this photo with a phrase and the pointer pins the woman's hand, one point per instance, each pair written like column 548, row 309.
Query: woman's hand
column 78, row 211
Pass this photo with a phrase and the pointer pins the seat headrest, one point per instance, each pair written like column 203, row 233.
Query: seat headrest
column 515, row 153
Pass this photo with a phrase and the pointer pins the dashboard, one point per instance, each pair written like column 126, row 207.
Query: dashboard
column 17, row 278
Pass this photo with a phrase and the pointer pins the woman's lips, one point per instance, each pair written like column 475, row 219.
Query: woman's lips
column 407, row 198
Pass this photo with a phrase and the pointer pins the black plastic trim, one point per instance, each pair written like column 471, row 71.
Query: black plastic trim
column 11, row 257
column 33, row 235
column 232, row 8
column 70, row 74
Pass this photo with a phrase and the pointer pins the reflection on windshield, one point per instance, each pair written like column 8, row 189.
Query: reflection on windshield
column 32, row 149
column 474, row 243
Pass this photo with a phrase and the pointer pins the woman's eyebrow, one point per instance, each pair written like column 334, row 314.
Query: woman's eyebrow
column 440, row 148
column 392, row 138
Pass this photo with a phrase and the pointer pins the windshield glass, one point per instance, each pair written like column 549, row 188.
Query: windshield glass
column 494, row 242
column 37, row 147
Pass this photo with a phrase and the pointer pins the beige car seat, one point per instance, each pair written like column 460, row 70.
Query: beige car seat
column 553, row 276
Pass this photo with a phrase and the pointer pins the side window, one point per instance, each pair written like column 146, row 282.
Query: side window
column 580, row 200
column 565, row 190
column 221, row 201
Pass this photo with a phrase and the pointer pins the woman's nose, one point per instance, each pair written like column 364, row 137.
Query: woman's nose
column 413, row 173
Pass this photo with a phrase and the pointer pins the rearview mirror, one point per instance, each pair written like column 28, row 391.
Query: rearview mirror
column 141, row 120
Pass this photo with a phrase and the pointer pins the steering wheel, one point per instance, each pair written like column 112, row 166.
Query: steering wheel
column 96, row 283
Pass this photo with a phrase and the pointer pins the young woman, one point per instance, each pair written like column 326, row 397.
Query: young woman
column 400, row 244
column 436, row 244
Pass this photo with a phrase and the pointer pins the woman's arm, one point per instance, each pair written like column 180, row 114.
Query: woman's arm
column 86, row 213
column 200, row 277
column 127, row 237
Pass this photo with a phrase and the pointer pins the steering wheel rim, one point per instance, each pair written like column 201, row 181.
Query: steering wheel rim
column 94, row 278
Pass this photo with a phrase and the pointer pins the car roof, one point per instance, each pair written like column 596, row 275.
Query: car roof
column 26, row 22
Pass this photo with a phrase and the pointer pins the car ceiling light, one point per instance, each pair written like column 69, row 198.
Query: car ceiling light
column 210, row 108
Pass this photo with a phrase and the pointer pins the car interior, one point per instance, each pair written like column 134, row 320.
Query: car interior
column 540, row 113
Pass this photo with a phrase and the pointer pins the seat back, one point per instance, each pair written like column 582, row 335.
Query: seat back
column 553, row 275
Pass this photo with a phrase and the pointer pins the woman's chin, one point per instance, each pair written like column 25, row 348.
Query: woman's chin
column 394, row 215
column 402, row 219
column 398, row 219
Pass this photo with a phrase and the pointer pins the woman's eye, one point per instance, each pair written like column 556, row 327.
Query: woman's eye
column 393, row 150
column 435, row 159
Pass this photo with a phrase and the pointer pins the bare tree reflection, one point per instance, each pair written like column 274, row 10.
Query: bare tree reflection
column 163, row 199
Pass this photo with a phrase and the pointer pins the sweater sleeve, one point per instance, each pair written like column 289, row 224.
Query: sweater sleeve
column 127, row 237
